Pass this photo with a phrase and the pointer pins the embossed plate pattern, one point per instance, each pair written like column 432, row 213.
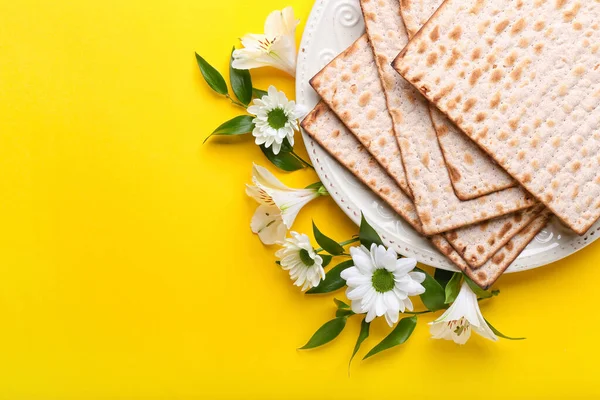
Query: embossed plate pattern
column 332, row 26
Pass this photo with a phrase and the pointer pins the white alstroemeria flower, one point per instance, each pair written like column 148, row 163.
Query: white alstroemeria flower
column 275, row 48
column 279, row 205
column 276, row 119
column 456, row 323
column 299, row 258
column 380, row 283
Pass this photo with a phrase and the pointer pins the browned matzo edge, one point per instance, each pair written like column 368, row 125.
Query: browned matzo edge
column 381, row 143
column 477, row 244
column 472, row 172
column 572, row 191
column 438, row 208
column 489, row 273
column 323, row 126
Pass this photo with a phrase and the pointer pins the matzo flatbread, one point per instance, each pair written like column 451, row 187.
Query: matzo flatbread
column 489, row 273
column 367, row 115
column 416, row 12
column 472, row 172
column 325, row 128
column 476, row 249
column 438, row 207
column 522, row 79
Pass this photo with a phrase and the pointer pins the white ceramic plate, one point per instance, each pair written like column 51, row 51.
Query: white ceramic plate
column 332, row 27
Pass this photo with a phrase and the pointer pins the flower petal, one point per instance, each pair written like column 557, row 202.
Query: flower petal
column 391, row 317
column 266, row 178
column 356, row 307
column 350, row 273
column 408, row 304
column 362, row 259
column 405, row 265
column 383, row 258
column 358, row 292
column 418, row 277
column 268, row 224
column 391, row 302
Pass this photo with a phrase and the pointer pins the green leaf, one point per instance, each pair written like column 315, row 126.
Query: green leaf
column 283, row 160
column 362, row 336
column 442, row 276
column 479, row 292
column 239, row 125
column 326, row 259
column 286, row 147
column 343, row 313
column 328, row 244
column 333, row 281
column 500, row 334
column 212, row 76
column 434, row 297
column 341, row 305
column 398, row 336
column 326, row 333
column 259, row 94
column 241, row 82
column 367, row 234
column 453, row 288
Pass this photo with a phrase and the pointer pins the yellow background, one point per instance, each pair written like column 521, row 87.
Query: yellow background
column 128, row 269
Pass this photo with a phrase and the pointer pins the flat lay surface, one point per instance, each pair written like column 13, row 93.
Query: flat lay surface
column 128, row 266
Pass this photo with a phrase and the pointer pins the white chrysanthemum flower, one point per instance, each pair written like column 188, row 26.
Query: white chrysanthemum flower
column 275, row 48
column 380, row 283
column 299, row 258
column 276, row 119
column 279, row 205
column 464, row 314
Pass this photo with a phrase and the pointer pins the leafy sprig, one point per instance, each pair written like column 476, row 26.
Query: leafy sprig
column 441, row 290
column 244, row 91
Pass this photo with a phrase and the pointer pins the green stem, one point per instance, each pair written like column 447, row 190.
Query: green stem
column 347, row 242
column 306, row 164
column 237, row 103
column 417, row 312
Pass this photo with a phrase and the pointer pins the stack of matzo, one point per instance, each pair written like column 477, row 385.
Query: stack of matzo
column 476, row 127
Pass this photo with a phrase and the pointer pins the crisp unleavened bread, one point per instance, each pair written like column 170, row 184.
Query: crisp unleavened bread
column 367, row 117
column 522, row 79
column 489, row 273
column 325, row 128
column 472, row 172
column 385, row 28
column 416, row 12
column 438, row 207
column 477, row 246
